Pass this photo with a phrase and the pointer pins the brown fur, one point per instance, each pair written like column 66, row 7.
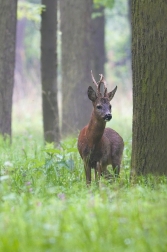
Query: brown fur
column 97, row 145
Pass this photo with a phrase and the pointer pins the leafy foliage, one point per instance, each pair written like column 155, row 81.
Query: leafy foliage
column 31, row 11
column 105, row 3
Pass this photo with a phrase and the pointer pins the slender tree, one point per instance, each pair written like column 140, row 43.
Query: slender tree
column 76, row 63
column 149, row 65
column 49, row 71
column 8, row 11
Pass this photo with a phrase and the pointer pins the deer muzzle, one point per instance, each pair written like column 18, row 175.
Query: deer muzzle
column 107, row 117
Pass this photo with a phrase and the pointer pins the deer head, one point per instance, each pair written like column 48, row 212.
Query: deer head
column 101, row 103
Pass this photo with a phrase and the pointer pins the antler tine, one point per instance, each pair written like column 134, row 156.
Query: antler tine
column 96, row 84
column 102, row 80
column 99, row 82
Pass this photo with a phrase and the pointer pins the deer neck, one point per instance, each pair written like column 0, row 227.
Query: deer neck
column 95, row 130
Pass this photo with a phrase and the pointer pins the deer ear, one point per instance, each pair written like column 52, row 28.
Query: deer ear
column 91, row 94
column 112, row 93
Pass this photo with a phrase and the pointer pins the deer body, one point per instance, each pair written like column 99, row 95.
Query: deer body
column 99, row 146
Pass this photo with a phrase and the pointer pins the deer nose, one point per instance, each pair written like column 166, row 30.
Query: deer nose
column 108, row 117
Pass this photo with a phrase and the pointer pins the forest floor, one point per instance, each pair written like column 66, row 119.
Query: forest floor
column 46, row 206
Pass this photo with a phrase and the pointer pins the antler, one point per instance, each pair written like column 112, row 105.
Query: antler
column 97, row 84
column 105, row 84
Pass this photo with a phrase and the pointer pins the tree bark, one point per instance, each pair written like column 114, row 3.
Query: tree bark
column 8, row 10
column 49, row 71
column 149, row 65
column 98, row 42
column 20, row 76
column 76, row 64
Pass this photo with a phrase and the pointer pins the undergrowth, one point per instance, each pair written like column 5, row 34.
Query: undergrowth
column 46, row 206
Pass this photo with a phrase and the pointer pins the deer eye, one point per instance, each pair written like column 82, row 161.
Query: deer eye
column 98, row 106
column 110, row 107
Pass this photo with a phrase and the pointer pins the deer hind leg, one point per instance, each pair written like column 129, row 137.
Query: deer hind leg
column 99, row 169
column 116, row 161
column 102, row 171
column 96, row 177
column 116, row 167
column 108, row 175
column 116, row 171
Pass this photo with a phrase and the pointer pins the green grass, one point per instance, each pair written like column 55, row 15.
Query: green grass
column 46, row 206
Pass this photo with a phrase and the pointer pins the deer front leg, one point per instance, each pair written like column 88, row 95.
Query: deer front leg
column 87, row 173
column 99, row 169
column 97, row 173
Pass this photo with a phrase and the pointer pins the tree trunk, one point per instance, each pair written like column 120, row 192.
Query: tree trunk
column 76, row 64
column 98, row 42
column 20, row 77
column 49, row 71
column 149, row 65
column 8, row 10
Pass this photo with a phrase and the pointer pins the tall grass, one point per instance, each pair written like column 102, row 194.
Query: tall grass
column 46, row 206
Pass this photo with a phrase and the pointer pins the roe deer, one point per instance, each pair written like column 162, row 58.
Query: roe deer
column 99, row 146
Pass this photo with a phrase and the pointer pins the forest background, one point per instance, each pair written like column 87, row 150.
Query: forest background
column 27, row 107
column 45, row 204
